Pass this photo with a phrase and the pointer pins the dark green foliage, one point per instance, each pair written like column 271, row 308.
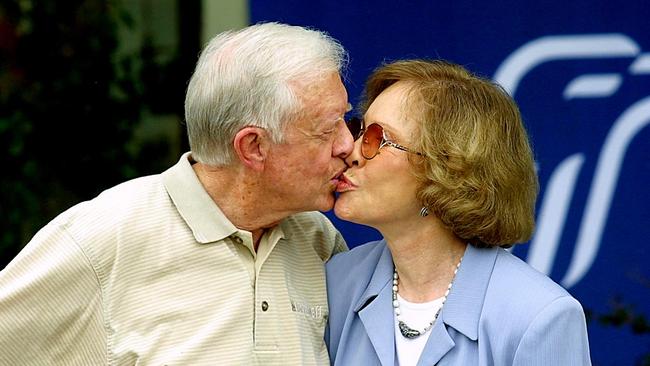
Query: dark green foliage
column 68, row 108
column 623, row 315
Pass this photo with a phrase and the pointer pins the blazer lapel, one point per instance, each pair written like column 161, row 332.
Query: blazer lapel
column 438, row 344
column 377, row 315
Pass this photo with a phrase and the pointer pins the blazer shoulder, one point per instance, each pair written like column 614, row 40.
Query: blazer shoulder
column 521, row 293
column 515, row 274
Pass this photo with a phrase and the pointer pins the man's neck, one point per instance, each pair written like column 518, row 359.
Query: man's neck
column 240, row 197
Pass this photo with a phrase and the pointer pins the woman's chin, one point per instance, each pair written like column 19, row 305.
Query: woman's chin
column 344, row 212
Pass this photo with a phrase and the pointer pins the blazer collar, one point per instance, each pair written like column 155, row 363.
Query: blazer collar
column 461, row 311
column 381, row 277
column 464, row 305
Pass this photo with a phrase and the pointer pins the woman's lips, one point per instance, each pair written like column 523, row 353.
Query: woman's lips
column 345, row 184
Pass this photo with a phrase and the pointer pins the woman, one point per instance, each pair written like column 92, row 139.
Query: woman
column 443, row 169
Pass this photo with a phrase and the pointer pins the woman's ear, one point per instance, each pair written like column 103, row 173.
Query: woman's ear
column 251, row 147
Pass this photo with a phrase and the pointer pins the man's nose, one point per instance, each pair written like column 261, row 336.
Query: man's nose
column 344, row 143
column 355, row 158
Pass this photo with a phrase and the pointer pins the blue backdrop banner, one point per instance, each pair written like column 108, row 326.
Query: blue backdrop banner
column 580, row 72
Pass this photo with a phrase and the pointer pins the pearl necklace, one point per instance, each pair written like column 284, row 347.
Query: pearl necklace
column 407, row 331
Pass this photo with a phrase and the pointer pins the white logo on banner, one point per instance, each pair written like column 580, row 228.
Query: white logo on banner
column 561, row 185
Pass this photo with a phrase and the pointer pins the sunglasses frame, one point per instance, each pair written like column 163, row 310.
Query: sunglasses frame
column 383, row 142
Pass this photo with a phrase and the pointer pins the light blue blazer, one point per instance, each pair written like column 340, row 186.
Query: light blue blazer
column 500, row 311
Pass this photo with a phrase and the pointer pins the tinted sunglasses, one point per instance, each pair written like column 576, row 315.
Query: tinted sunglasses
column 374, row 138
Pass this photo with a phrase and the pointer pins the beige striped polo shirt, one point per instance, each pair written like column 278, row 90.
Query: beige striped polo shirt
column 151, row 272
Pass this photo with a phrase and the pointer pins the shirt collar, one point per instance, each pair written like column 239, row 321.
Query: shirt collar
column 194, row 204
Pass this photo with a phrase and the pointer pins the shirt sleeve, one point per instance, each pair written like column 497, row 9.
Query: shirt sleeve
column 339, row 244
column 327, row 240
column 51, row 305
column 557, row 336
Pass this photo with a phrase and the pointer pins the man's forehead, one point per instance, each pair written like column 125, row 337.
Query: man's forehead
column 323, row 85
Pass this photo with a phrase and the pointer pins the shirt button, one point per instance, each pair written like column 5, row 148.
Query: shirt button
column 237, row 240
column 265, row 306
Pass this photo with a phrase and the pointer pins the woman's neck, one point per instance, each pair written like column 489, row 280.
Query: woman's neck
column 425, row 254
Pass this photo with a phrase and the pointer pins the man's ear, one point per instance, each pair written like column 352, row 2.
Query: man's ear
column 251, row 146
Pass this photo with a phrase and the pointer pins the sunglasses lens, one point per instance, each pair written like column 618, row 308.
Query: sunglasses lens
column 371, row 140
column 355, row 126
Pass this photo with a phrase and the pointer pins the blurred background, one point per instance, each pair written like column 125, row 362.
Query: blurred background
column 92, row 92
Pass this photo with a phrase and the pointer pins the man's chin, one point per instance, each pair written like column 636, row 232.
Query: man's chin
column 327, row 204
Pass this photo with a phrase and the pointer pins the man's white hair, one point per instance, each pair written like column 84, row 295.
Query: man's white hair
column 244, row 78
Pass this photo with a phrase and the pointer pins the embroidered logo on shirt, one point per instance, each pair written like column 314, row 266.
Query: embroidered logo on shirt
column 316, row 312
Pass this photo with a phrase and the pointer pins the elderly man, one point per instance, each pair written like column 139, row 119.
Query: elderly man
column 216, row 260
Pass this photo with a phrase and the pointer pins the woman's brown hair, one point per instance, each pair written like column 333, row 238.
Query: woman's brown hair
column 478, row 175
